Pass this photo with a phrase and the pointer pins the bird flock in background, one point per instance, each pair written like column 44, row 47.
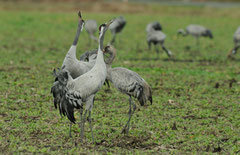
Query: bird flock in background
column 78, row 80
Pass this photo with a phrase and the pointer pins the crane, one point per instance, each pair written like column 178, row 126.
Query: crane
column 129, row 83
column 75, row 92
column 236, row 40
column 91, row 28
column 116, row 27
column 196, row 31
column 156, row 37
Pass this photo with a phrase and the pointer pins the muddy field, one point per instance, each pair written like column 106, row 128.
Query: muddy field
column 195, row 94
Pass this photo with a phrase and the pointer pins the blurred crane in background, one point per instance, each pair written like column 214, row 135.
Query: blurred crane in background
column 91, row 28
column 156, row 37
column 236, row 40
column 116, row 27
column 196, row 31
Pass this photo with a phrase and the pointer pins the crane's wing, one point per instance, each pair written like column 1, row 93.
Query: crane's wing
column 126, row 81
column 88, row 55
column 65, row 97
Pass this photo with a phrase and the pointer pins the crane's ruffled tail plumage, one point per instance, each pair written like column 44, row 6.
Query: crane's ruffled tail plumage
column 64, row 101
column 145, row 95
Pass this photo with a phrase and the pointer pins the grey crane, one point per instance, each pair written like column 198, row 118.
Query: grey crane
column 129, row 83
column 236, row 40
column 72, row 64
column 154, row 25
column 156, row 37
column 116, row 27
column 196, row 31
column 75, row 92
column 91, row 28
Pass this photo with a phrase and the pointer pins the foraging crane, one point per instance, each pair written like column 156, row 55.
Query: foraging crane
column 154, row 25
column 196, row 31
column 129, row 83
column 236, row 39
column 116, row 27
column 75, row 92
column 91, row 28
column 156, row 37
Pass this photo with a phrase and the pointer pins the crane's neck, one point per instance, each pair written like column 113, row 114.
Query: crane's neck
column 101, row 39
column 182, row 32
column 72, row 51
column 100, row 46
column 79, row 29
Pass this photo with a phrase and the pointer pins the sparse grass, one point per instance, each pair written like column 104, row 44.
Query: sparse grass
column 189, row 113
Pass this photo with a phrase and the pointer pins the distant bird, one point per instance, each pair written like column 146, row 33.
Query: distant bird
column 129, row 83
column 91, row 28
column 155, row 26
column 196, row 31
column 75, row 92
column 116, row 27
column 236, row 39
column 156, row 37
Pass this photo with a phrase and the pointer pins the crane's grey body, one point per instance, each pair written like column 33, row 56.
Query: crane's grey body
column 91, row 28
column 116, row 27
column 156, row 37
column 196, row 31
column 129, row 83
column 74, row 66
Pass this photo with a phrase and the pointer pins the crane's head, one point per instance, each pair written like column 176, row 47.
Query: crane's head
column 180, row 32
column 103, row 28
column 62, row 75
column 110, row 53
column 208, row 33
column 81, row 21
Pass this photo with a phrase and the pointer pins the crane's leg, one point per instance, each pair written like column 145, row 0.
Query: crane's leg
column 81, row 113
column 89, row 39
column 70, row 128
column 113, row 38
column 82, row 125
column 197, row 42
column 149, row 45
column 157, row 50
column 107, row 82
column 93, row 37
column 90, row 123
column 169, row 53
column 126, row 127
